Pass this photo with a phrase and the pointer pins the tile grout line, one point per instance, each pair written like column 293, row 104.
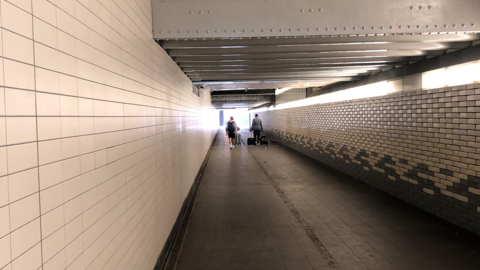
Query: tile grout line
column 318, row 244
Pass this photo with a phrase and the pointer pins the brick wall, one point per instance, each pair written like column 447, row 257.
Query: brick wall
column 420, row 146
column 101, row 136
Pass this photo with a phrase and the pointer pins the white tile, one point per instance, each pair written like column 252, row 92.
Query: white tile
column 52, row 221
column 67, row 64
column 4, row 200
column 85, row 107
column 66, row 43
column 68, row 85
column 57, row 262
column 46, row 80
column 49, row 151
column 51, row 198
column 50, row 175
column 21, row 130
column 3, row 132
column 25, row 237
column 44, row 10
column 16, row 20
column 70, row 127
column 99, row 108
column 73, row 229
column 24, row 211
column 22, row 157
column 48, row 104
column 74, row 249
column 72, row 188
column 23, row 184
column 49, row 128
column 18, row 75
column 71, row 168
column 4, row 222
column 17, row 47
column 53, row 244
column 85, row 88
column 65, row 21
column 2, row 100
column 44, row 33
column 73, row 209
column 87, row 144
column 5, row 257
column 30, row 260
column 68, row 106
column 70, row 147
column 46, row 57
column 87, row 162
column 23, row 4
column 19, row 102
column 86, row 125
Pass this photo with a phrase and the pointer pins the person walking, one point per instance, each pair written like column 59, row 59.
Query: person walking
column 231, row 130
column 257, row 128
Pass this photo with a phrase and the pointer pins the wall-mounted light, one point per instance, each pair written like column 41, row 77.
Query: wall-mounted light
column 451, row 76
column 281, row 90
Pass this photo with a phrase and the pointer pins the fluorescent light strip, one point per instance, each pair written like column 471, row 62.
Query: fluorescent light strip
column 451, row 76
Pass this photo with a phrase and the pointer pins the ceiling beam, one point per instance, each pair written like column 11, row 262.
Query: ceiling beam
column 250, row 42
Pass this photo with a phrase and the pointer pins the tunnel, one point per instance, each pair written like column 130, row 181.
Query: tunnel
column 239, row 135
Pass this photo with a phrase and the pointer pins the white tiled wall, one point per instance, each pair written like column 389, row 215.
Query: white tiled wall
column 100, row 135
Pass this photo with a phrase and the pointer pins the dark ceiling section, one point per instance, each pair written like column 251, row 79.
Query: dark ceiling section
column 324, row 59
column 228, row 99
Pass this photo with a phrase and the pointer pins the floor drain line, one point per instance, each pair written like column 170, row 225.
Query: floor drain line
column 318, row 244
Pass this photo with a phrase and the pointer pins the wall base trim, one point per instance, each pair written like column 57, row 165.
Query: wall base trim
column 456, row 230
column 169, row 249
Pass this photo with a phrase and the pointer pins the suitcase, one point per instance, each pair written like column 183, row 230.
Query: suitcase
column 238, row 139
column 250, row 141
column 263, row 140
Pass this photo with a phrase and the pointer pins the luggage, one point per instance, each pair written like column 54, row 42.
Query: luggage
column 250, row 141
column 238, row 139
column 263, row 140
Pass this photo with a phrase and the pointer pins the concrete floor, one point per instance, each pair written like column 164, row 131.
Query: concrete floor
column 273, row 208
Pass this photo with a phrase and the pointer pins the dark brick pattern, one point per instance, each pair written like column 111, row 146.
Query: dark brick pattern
column 420, row 146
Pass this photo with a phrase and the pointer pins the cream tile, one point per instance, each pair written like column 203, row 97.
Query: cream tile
column 48, row 105
column 49, row 128
column 99, row 108
column 87, row 144
column 44, row 10
column 22, row 157
column 67, row 64
column 23, row 184
column 19, row 102
column 2, row 100
column 3, row 161
column 71, row 168
column 30, row 260
column 70, row 147
column 68, row 85
column 73, row 209
column 3, row 132
column 70, row 127
column 49, row 151
column 17, row 47
column 25, row 237
column 4, row 222
column 87, row 163
column 46, row 57
column 26, row 5
column 16, row 20
column 100, row 158
column 65, row 21
column 18, row 75
column 24, row 211
column 52, row 221
column 2, row 79
column 51, row 198
column 50, row 175
column 68, row 106
column 85, row 107
column 53, row 244
column 73, row 229
column 44, row 33
column 4, row 200
column 57, row 262
column 21, row 130
column 78, row 264
column 74, row 249
column 46, row 80
column 5, row 257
